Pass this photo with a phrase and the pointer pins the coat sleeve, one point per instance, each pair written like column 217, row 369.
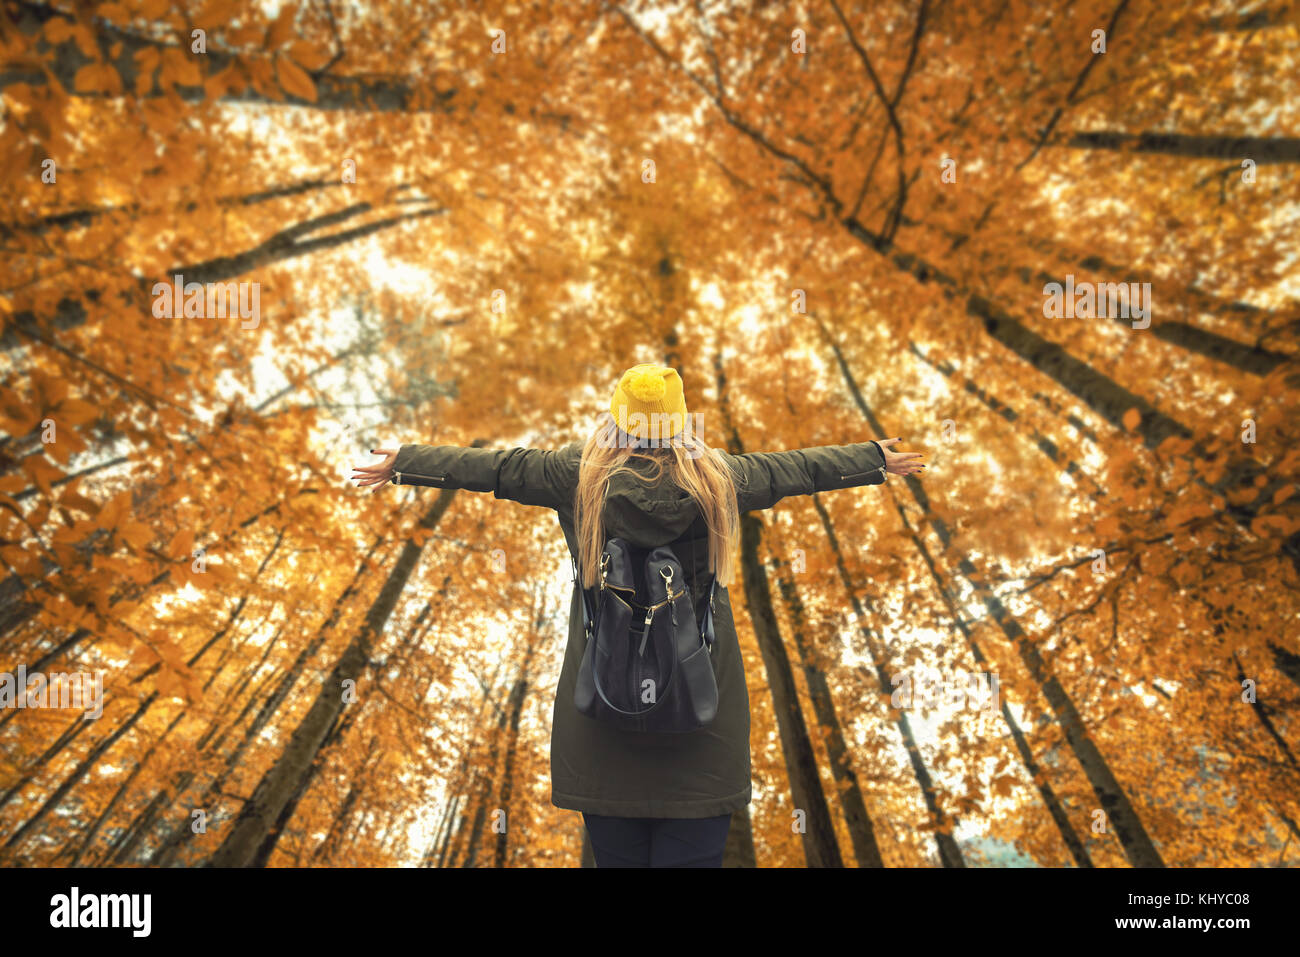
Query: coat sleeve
column 541, row 477
column 764, row 478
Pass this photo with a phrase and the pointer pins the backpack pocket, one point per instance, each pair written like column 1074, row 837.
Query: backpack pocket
column 698, row 680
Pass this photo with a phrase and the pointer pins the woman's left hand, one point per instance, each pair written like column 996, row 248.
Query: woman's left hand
column 377, row 474
column 899, row 463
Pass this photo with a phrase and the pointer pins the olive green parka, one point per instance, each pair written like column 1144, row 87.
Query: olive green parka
column 596, row 767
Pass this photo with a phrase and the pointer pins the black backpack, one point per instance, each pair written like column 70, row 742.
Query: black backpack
column 647, row 666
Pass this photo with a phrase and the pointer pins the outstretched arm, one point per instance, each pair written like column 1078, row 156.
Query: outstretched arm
column 764, row 478
column 532, row 476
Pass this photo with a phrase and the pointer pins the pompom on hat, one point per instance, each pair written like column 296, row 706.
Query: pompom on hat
column 649, row 402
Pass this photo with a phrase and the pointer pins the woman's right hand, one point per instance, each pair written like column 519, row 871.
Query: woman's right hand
column 379, row 475
column 899, row 463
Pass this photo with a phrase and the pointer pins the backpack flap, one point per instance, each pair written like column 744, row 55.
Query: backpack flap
column 616, row 569
column 694, row 682
column 609, row 654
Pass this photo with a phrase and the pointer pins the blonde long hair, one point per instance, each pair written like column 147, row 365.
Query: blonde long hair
column 690, row 464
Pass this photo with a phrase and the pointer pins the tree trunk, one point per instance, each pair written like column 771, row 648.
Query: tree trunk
column 279, row 782
column 1286, row 662
column 125, row 786
column 451, row 831
column 1102, row 394
column 1137, row 844
column 121, row 48
column 165, row 854
column 820, row 846
column 945, row 824
column 139, row 826
column 739, row 849
column 1264, row 150
column 284, row 245
column 516, row 707
column 77, row 218
column 70, row 734
column 443, row 844
column 1248, row 358
column 488, row 776
column 819, row 843
column 1264, row 714
column 268, row 845
column 1000, row 408
column 82, row 769
column 17, row 617
column 861, row 831
column 340, row 821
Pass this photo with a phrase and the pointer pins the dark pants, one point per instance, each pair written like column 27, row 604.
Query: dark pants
column 657, row 841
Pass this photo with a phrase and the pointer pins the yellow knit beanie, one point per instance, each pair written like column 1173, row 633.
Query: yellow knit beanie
column 649, row 402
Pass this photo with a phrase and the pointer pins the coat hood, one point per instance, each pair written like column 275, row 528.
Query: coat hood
column 647, row 513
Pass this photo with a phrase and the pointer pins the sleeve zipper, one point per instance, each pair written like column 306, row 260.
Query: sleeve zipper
column 867, row 472
column 397, row 478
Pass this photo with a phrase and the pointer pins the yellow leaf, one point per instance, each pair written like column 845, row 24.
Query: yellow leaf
column 1185, row 513
column 295, row 80
column 137, row 534
column 41, row 471
column 178, row 69
column 22, row 561
column 309, row 56
column 1003, row 784
column 77, row 501
column 168, row 684
column 1109, row 527
column 1264, row 524
column 261, row 77
column 112, row 510
column 86, row 42
column 143, row 656
column 57, row 30
column 146, row 64
column 1243, row 495
column 114, row 13
column 97, row 78
column 278, row 34
column 75, row 412
column 1132, row 418
column 227, row 81
column 217, row 12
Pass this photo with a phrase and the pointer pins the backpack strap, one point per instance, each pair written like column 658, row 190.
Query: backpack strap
column 586, row 612
column 706, row 630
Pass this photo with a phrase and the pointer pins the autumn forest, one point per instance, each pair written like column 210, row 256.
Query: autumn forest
column 1055, row 247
